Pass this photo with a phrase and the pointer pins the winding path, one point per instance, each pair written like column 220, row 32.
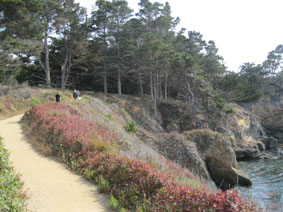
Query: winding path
column 49, row 185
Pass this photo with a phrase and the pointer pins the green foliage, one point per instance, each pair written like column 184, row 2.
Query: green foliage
column 203, row 135
column 131, row 127
column 113, row 202
column 123, row 210
column 219, row 101
column 2, row 107
column 90, row 174
column 35, row 101
column 109, row 117
column 247, row 85
column 11, row 198
column 229, row 110
column 103, row 185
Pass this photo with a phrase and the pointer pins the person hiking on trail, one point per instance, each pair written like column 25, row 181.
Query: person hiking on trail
column 75, row 94
column 58, row 97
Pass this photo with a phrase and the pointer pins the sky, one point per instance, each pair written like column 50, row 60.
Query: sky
column 243, row 30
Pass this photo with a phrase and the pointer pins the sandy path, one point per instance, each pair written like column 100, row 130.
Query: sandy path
column 49, row 185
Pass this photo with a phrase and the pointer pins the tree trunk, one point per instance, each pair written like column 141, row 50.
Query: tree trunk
column 140, row 82
column 151, row 86
column 104, row 62
column 119, row 70
column 104, row 77
column 63, row 71
column 155, row 95
column 160, row 86
column 157, row 85
column 119, row 81
column 166, row 84
column 47, row 69
column 63, row 80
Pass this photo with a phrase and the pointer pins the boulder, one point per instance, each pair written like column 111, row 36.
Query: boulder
column 244, row 180
column 270, row 143
column 224, row 176
column 220, row 159
column 274, row 120
column 261, row 145
column 246, row 154
column 177, row 148
column 204, row 152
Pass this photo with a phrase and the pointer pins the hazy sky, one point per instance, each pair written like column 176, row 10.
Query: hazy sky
column 243, row 30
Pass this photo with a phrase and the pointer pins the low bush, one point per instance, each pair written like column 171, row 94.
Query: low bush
column 136, row 184
column 2, row 107
column 34, row 101
column 11, row 198
column 131, row 127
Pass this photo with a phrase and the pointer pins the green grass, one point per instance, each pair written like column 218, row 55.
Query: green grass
column 11, row 198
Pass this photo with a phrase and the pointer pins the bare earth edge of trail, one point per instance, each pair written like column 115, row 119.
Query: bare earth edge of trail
column 50, row 187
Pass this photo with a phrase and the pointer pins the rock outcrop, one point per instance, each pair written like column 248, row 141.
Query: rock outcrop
column 245, row 133
column 206, row 153
column 270, row 143
column 270, row 113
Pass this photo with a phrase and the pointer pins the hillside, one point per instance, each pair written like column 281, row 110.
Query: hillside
column 170, row 151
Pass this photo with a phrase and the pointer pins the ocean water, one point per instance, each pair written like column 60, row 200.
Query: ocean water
column 267, row 178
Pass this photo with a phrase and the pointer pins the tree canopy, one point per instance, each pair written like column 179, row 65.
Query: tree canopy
column 55, row 42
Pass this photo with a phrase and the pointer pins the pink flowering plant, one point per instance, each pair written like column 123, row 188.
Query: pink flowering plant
column 94, row 152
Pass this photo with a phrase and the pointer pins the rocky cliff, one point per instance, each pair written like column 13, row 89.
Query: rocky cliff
column 270, row 113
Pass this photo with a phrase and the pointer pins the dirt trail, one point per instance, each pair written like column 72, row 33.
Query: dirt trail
column 49, row 185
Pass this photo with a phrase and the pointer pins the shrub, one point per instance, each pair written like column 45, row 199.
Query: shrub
column 35, row 101
column 229, row 110
column 2, row 107
column 109, row 117
column 131, row 127
column 113, row 202
column 103, row 185
column 11, row 198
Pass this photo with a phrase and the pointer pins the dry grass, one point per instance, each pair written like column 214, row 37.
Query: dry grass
column 113, row 113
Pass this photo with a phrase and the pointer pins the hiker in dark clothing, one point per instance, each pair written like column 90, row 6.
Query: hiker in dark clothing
column 75, row 94
column 58, row 97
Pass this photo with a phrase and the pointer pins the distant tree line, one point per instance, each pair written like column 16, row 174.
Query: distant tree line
column 55, row 42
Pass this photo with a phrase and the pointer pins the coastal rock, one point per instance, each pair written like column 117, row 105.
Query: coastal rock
column 244, row 180
column 178, row 117
column 204, row 152
column 219, row 157
column 270, row 113
column 267, row 156
column 261, row 145
column 244, row 132
column 270, row 143
column 274, row 120
column 224, row 176
column 247, row 153
column 177, row 148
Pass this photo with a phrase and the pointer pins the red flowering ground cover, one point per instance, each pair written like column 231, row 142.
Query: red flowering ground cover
column 137, row 185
